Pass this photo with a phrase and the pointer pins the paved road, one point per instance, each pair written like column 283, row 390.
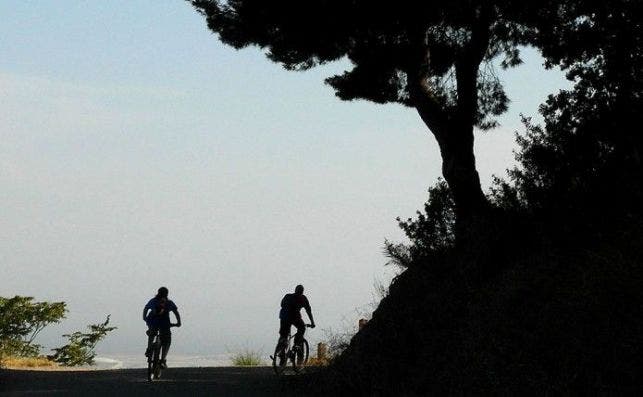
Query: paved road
column 222, row 381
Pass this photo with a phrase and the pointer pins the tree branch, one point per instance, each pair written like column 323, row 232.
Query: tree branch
column 432, row 113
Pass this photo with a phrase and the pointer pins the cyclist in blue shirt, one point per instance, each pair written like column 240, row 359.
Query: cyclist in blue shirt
column 156, row 315
column 290, row 314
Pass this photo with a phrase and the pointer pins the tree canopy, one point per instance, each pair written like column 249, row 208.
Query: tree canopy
column 437, row 57
column 426, row 55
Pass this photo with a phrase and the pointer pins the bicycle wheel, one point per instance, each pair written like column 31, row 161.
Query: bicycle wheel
column 279, row 363
column 301, row 358
column 150, row 368
column 157, row 361
column 151, row 353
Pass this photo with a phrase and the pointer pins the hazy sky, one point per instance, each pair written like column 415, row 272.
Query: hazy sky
column 137, row 151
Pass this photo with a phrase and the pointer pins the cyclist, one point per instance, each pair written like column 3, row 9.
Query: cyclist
column 289, row 315
column 156, row 314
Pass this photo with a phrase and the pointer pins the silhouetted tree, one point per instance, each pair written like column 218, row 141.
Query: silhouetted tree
column 434, row 56
column 587, row 155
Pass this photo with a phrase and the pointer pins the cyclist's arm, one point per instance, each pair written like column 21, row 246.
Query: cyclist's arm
column 310, row 316
column 309, row 311
column 178, row 317
column 148, row 306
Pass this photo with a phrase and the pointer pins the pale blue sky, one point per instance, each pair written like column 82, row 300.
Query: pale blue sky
column 138, row 151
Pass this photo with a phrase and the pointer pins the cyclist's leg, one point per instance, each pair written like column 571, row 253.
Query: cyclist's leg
column 284, row 333
column 301, row 329
column 151, row 332
column 166, row 341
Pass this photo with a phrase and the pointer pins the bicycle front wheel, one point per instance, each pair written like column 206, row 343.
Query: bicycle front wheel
column 279, row 360
column 301, row 358
column 150, row 369
column 156, row 369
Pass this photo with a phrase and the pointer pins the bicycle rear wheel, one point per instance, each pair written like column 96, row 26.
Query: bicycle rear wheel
column 279, row 360
column 301, row 358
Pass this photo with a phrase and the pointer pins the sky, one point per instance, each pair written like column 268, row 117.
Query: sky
column 138, row 151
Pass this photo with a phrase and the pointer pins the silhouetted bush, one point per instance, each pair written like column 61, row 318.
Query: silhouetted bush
column 431, row 234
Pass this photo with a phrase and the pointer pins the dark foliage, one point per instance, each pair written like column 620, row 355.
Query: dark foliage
column 430, row 235
column 582, row 169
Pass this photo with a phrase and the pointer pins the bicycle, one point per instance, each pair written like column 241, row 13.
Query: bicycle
column 288, row 351
column 154, row 367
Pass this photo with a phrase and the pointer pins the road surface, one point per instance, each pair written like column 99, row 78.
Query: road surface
column 211, row 381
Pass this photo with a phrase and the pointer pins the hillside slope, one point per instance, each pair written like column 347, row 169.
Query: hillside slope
column 556, row 319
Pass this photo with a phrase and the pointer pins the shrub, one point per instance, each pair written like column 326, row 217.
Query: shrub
column 431, row 233
column 80, row 349
column 21, row 320
column 247, row 358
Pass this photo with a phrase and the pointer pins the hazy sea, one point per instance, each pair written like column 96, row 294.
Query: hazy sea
column 123, row 361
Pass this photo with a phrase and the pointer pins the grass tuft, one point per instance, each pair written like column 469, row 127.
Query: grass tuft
column 28, row 362
column 247, row 358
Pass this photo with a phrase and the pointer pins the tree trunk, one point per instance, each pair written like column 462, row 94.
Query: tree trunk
column 453, row 129
column 459, row 170
column 454, row 134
